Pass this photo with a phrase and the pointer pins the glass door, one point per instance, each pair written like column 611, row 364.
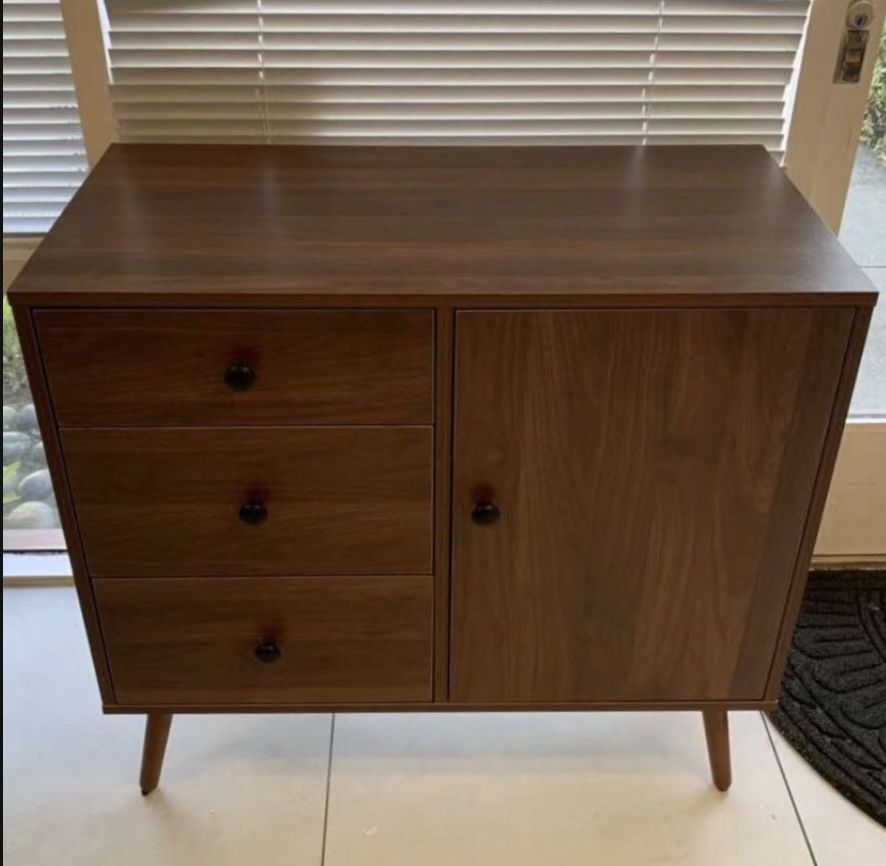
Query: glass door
column 863, row 233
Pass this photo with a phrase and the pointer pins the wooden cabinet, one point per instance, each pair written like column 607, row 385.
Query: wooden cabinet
column 440, row 428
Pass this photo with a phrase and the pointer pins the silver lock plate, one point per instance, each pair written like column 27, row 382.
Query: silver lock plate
column 851, row 57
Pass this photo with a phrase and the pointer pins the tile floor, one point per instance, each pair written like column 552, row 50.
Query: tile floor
column 542, row 789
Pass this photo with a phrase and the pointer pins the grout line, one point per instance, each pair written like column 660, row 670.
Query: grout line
column 328, row 786
column 788, row 788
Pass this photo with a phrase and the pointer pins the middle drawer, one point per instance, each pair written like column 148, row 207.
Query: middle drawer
column 252, row 501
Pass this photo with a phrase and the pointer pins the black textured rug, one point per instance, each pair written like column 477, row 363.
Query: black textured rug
column 833, row 702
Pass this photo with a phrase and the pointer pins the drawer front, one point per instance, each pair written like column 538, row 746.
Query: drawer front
column 188, row 502
column 283, row 640
column 144, row 368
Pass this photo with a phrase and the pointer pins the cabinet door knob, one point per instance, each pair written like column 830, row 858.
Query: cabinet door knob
column 485, row 513
column 268, row 651
column 239, row 377
column 253, row 513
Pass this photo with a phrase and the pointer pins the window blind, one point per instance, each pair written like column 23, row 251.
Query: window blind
column 43, row 155
column 454, row 71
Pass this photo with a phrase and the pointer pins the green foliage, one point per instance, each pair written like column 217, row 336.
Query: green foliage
column 15, row 383
column 873, row 130
column 9, row 335
column 9, row 474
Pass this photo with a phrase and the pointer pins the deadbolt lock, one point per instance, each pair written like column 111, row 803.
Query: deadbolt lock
column 854, row 42
column 859, row 15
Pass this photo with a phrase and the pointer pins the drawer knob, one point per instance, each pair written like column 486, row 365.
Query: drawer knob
column 268, row 652
column 239, row 377
column 253, row 513
column 485, row 513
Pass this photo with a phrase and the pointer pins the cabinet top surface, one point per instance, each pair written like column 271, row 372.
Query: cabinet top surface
column 503, row 226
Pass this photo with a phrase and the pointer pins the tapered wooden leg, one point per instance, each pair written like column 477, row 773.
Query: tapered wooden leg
column 716, row 731
column 156, row 736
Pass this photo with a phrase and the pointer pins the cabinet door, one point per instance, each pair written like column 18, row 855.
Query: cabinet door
column 652, row 471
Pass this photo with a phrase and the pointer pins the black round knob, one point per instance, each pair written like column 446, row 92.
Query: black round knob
column 239, row 377
column 253, row 513
column 268, row 651
column 485, row 513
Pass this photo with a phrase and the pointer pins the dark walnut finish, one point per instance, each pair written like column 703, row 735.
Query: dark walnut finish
column 302, row 404
column 194, row 225
column 157, row 727
column 650, row 469
column 716, row 731
column 174, row 501
column 253, row 641
column 243, row 367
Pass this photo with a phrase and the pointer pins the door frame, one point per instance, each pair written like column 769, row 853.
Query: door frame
column 822, row 141
column 825, row 118
column 853, row 528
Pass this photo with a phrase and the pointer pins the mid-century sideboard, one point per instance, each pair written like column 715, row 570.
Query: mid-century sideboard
column 441, row 428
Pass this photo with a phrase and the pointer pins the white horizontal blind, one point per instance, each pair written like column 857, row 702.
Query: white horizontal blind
column 43, row 156
column 721, row 69
column 454, row 71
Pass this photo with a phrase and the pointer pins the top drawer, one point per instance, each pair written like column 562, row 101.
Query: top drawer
column 171, row 367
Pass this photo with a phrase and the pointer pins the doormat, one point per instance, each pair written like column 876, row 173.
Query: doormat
column 833, row 702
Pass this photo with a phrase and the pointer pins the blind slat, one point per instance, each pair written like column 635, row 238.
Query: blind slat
column 43, row 159
column 394, row 71
column 453, row 70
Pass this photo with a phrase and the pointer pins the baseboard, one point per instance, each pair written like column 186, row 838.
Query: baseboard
column 36, row 569
column 40, row 581
column 853, row 528
column 843, row 563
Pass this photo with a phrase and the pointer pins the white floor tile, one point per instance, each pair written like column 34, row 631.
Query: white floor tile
column 839, row 833
column 546, row 789
column 235, row 789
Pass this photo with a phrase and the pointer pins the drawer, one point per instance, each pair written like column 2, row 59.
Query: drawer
column 271, row 640
column 144, row 368
column 252, row 501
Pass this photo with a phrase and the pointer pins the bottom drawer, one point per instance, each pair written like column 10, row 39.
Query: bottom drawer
column 269, row 640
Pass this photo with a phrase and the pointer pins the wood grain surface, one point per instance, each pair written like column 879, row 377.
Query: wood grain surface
column 157, row 727
column 62, row 493
column 167, row 367
column 653, row 472
column 443, row 362
column 860, row 325
column 644, row 356
column 185, row 224
column 165, row 501
column 345, row 638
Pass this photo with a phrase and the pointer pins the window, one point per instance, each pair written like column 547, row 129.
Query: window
column 43, row 164
column 375, row 71
column 459, row 71
column 863, row 233
column 43, row 157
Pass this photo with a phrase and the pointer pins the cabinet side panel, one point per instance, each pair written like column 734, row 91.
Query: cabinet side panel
column 809, row 433
column 855, row 347
column 57, row 470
